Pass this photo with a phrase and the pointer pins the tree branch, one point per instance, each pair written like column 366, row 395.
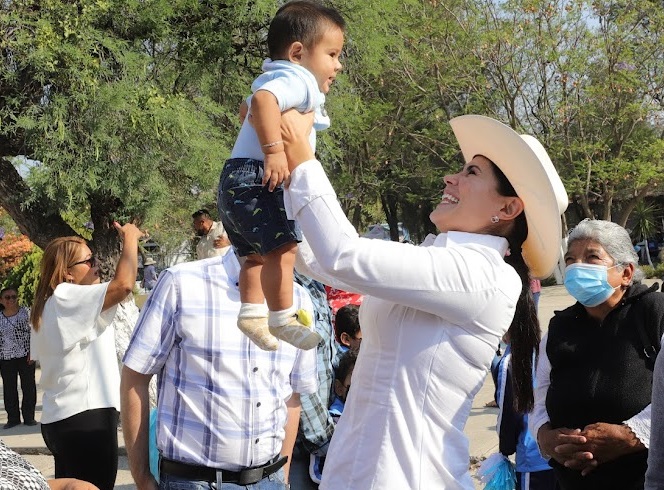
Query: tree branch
column 40, row 221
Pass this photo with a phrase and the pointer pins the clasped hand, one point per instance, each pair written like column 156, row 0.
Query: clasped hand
column 585, row 449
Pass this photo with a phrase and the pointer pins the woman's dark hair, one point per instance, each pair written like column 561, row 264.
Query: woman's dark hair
column 524, row 332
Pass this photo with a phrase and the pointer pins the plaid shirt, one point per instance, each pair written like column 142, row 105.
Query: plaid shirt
column 15, row 335
column 316, row 424
column 221, row 398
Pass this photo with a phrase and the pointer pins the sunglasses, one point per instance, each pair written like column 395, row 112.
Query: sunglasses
column 10, row 297
column 91, row 261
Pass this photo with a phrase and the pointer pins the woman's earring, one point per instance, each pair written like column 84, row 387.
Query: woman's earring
column 495, row 219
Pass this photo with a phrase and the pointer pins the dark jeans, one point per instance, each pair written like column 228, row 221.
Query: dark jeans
column 275, row 481
column 11, row 370
column 85, row 446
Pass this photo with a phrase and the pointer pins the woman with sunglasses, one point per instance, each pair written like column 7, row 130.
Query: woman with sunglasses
column 75, row 343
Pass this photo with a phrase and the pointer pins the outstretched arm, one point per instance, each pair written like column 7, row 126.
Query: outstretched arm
column 125, row 273
column 431, row 279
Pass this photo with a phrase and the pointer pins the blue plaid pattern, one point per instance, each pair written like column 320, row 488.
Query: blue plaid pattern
column 221, row 399
column 316, row 424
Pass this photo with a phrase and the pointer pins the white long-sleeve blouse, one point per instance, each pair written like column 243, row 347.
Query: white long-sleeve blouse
column 431, row 321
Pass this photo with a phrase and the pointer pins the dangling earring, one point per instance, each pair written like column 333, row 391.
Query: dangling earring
column 495, row 219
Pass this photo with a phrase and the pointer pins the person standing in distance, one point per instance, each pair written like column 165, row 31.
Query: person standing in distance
column 213, row 240
column 15, row 360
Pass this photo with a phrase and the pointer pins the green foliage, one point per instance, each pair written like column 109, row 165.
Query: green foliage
column 648, row 271
column 25, row 277
column 644, row 221
column 131, row 106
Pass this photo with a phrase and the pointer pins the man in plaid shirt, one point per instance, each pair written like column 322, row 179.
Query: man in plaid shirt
column 227, row 410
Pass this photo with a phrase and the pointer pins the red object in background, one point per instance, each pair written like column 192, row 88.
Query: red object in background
column 338, row 298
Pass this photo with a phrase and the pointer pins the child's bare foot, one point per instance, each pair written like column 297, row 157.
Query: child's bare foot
column 257, row 330
column 298, row 331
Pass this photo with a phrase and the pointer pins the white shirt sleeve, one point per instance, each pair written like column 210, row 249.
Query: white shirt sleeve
column 640, row 425
column 291, row 92
column 78, row 310
column 539, row 416
column 455, row 283
column 154, row 335
column 306, row 263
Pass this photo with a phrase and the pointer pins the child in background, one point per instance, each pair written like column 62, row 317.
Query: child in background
column 305, row 40
column 532, row 470
column 342, row 380
column 347, row 331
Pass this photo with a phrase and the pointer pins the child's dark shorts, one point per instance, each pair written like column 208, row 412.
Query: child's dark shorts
column 253, row 217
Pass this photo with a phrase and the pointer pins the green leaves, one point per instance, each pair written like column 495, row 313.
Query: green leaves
column 135, row 102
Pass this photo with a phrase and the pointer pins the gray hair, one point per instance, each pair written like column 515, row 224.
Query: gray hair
column 615, row 240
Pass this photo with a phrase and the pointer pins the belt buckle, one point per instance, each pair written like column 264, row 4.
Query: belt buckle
column 250, row 476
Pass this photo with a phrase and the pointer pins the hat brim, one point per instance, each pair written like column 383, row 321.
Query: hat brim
column 531, row 176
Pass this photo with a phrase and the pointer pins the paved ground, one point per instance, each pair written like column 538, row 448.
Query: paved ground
column 480, row 427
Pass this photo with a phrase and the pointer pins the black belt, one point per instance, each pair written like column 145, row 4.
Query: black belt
column 247, row 476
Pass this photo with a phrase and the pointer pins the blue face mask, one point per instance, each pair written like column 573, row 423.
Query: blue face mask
column 588, row 283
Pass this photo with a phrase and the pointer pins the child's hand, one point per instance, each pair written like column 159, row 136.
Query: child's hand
column 276, row 169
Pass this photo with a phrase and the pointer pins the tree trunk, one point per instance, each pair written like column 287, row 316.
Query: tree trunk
column 631, row 203
column 40, row 220
column 105, row 239
column 582, row 201
column 390, row 206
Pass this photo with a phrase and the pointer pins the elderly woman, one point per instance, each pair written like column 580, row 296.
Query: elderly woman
column 75, row 343
column 432, row 315
column 595, row 371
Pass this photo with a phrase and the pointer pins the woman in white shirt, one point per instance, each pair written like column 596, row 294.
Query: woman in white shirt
column 74, row 342
column 434, row 314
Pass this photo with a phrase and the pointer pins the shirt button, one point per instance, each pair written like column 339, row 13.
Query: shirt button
column 258, row 404
column 256, row 441
column 255, row 369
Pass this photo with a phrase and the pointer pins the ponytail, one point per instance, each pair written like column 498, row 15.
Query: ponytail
column 524, row 333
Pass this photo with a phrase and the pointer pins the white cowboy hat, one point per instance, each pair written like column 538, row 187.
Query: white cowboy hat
column 527, row 166
column 149, row 261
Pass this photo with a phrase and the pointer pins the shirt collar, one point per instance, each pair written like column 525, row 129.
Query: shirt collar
column 461, row 237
